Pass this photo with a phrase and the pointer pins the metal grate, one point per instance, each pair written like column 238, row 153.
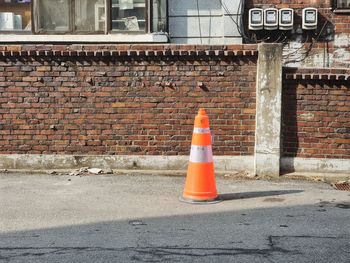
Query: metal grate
column 345, row 186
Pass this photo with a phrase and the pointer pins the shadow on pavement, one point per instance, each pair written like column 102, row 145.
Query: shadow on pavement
column 278, row 234
column 247, row 195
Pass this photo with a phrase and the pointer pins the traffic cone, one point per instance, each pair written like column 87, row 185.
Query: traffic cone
column 200, row 185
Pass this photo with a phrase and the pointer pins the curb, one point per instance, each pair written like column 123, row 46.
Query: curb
column 314, row 177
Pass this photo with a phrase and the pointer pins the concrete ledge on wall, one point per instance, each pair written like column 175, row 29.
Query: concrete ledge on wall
column 119, row 162
column 111, row 38
column 313, row 165
column 31, row 162
column 333, row 74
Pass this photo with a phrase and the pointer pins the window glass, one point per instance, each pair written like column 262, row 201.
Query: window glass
column 82, row 16
column 159, row 21
column 343, row 4
column 90, row 15
column 52, row 15
column 128, row 15
column 15, row 15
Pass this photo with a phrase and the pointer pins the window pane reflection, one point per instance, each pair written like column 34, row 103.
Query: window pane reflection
column 90, row 15
column 129, row 15
column 159, row 21
column 15, row 15
column 343, row 3
column 53, row 15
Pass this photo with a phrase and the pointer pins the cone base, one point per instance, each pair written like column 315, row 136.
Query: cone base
column 199, row 202
column 200, row 182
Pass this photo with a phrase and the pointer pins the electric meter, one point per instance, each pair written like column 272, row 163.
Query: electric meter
column 286, row 19
column 271, row 19
column 256, row 19
column 309, row 18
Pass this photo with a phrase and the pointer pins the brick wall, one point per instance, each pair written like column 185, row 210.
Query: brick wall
column 316, row 113
column 125, row 99
column 312, row 49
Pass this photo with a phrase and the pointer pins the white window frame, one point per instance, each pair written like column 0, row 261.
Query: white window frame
column 109, row 36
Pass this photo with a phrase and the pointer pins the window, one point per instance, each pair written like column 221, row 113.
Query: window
column 67, row 16
column 83, row 16
column 342, row 5
column 159, row 16
column 15, row 16
column 129, row 15
column 52, row 15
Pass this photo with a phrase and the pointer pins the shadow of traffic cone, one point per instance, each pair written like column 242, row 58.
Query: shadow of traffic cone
column 200, row 186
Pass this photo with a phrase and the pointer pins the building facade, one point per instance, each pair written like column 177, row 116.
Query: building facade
column 117, row 84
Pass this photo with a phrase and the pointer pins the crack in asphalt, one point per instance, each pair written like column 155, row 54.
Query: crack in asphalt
column 205, row 252
column 150, row 253
column 153, row 252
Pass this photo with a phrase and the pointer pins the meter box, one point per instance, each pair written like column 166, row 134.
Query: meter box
column 256, row 19
column 286, row 19
column 309, row 18
column 271, row 19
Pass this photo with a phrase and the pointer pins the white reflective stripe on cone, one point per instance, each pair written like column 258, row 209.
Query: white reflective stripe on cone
column 201, row 154
column 201, row 130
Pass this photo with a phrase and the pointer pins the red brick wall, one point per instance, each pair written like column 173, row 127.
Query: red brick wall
column 316, row 114
column 125, row 99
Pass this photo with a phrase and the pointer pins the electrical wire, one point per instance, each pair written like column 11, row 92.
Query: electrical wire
column 250, row 39
column 278, row 40
column 240, row 26
column 199, row 23
column 307, row 52
column 233, row 20
column 240, row 9
column 282, row 38
column 297, row 50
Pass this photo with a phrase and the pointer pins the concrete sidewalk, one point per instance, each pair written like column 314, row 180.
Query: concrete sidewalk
column 125, row 218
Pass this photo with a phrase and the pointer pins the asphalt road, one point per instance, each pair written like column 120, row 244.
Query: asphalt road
column 139, row 219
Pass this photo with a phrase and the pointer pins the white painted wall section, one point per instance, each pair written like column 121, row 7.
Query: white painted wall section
column 315, row 165
column 204, row 21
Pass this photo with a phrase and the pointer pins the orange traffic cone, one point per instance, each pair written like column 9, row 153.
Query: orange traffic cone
column 200, row 186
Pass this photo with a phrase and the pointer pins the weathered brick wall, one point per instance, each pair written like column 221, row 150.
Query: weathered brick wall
column 125, row 99
column 316, row 114
column 313, row 48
